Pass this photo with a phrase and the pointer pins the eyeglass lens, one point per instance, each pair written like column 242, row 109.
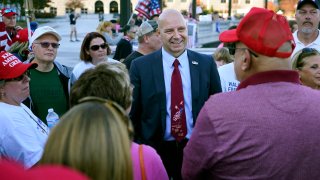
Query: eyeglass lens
column 47, row 44
column 96, row 47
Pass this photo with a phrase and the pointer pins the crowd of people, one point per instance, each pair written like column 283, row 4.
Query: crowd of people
column 163, row 111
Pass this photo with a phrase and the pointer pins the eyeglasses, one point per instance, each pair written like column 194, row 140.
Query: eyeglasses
column 20, row 78
column 96, row 47
column 112, row 106
column 9, row 11
column 305, row 52
column 47, row 44
column 232, row 49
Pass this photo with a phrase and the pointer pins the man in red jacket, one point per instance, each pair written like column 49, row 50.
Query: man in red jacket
column 8, row 28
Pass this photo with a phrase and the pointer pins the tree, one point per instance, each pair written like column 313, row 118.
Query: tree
column 40, row 4
column 73, row 4
column 17, row 3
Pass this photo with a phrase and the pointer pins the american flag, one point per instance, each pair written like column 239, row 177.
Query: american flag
column 148, row 8
column 154, row 8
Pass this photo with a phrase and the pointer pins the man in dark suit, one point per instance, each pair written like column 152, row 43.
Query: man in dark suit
column 160, row 79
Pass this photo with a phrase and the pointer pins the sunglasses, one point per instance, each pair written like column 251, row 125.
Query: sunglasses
column 112, row 106
column 20, row 78
column 96, row 47
column 47, row 44
column 232, row 49
column 9, row 11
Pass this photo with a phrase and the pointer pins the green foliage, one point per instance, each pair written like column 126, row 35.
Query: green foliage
column 40, row 4
column 37, row 4
column 44, row 15
column 13, row 2
column 73, row 4
column 22, row 23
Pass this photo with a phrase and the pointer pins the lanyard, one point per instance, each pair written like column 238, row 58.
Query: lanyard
column 40, row 124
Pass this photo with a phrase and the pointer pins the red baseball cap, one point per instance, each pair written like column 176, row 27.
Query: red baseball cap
column 22, row 35
column 263, row 31
column 12, row 170
column 12, row 67
column 8, row 12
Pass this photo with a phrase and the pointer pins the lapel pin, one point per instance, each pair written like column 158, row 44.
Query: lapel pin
column 194, row 62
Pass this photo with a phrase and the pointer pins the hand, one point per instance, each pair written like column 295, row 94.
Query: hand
column 18, row 28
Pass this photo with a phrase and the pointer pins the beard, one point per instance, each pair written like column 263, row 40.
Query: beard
column 307, row 30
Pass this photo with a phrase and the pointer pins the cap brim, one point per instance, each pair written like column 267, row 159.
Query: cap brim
column 9, row 14
column 229, row 36
column 20, row 69
column 35, row 37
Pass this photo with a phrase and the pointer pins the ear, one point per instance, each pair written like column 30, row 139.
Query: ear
column 246, row 64
column 158, row 31
column 32, row 46
column 145, row 38
column 300, row 73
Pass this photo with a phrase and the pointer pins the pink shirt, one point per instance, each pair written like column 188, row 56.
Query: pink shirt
column 152, row 163
column 267, row 129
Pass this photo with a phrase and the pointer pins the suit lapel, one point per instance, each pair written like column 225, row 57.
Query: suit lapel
column 157, row 70
column 194, row 75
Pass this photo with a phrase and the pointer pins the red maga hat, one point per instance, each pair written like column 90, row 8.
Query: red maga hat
column 22, row 35
column 7, row 12
column 12, row 67
column 263, row 31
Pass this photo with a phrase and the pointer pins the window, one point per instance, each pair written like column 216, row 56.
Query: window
column 170, row 0
column 235, row 1
column 68, row 10
column 247, row 1
column 53, row 10
column 223, row 1
column 183, row 0
column 84, row 10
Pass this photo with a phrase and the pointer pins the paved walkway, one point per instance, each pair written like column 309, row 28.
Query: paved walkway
column 69, row 52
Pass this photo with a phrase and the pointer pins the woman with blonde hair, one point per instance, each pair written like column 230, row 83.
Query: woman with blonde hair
column 307, row 63
column 111, row 81
column 105, row 28
column 20, row 48
column 222, row 56
column 93, row 137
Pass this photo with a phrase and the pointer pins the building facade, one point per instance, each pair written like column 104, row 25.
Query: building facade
column 113, row 6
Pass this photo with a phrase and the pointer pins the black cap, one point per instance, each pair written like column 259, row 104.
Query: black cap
column 315, row 3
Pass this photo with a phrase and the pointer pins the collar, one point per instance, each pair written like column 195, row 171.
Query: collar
column 127, row 38
column 297, row 40
column 271, row 76
column 169, row 59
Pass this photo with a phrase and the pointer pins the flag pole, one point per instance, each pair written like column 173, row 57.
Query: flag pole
column 130, row 18
column 28, row 19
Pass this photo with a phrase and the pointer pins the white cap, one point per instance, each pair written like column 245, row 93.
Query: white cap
column 43, row 30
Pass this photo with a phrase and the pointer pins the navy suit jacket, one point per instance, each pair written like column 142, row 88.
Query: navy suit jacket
column 148, row 112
